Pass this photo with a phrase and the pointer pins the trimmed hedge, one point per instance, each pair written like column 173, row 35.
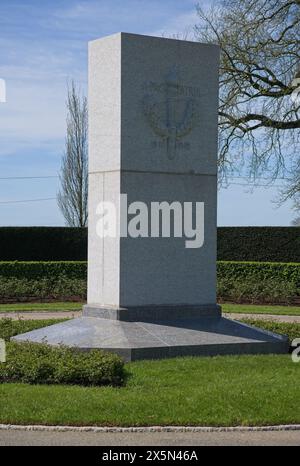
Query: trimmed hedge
column 40, row 363
column 43, row 244
column 253, row 291
column 255, row 282
column 38, row 270
column 273, row 244
column 267, row 244
column 289, row 272
column 291, row 330
column 10, row 327
column 44, row 364
column 43, row 280
column 258, row 282
column 259, row 271
column 57, row 288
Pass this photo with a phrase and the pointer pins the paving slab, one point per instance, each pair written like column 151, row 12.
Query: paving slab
column 160, row 339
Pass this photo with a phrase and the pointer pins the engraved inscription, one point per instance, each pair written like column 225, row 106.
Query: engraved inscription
column 171, row 110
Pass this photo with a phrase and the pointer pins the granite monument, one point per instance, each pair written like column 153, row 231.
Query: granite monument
column 153, row 111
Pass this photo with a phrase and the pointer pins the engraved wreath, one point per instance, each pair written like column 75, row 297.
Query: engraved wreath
column 170, row 114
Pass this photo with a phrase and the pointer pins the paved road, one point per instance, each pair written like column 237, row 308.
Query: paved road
column 19, row 437
column 71, row 314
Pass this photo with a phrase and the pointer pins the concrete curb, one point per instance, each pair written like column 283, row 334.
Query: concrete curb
column 41, row 428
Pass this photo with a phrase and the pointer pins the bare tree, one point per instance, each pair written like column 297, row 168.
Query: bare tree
column 72, row 197
column 258, row 117
column 296, row 222
column 291, row 190
column 292, row 185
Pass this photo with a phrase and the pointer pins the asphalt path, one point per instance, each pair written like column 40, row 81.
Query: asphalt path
column 236, row 438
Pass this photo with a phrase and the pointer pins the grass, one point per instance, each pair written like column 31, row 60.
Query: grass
column 69, row 306
column 37, row 307
column 222, row 390
column 261, row 309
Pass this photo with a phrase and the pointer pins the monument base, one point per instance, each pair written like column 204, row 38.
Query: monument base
column 152, row 313
column 143, row 339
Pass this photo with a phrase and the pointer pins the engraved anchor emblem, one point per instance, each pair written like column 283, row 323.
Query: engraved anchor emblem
column 170, row 113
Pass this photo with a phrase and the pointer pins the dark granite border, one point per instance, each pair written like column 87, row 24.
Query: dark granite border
column 165, row 352
column 152, row 313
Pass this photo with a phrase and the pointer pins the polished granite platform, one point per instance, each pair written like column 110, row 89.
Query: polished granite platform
column 205, row 336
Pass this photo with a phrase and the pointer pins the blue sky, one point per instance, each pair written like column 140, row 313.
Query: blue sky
column 43, row 46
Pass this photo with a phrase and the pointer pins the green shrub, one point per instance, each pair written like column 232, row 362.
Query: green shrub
column 273, row 244
column 36, row 363
column 41, row 363
column 45, row 288
column 43, row 280
column 260, row 271
column 78, row 270
column 74, row 270
column 9, row 327
column 292, row 330
column 43, row 244
column 258, row 282
column 263, row 282
column 255, row 291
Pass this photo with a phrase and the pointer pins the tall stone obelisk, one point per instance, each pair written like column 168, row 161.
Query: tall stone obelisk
column 153, row 142
column 153, row 136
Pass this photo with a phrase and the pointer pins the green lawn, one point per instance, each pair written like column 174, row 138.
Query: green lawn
column 223, row 390
column 259, row 309
column 69, row 306
column 27, row 307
